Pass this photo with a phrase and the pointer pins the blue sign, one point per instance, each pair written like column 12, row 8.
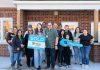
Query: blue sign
column 67, row 43
column 36, row 42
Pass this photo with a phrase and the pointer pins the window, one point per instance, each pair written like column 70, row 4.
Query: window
column 72, row 25
column 34, row 24
column 5, row 25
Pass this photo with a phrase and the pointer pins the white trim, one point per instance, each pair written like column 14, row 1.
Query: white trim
column 99, row 32
column 1, row 29
column 56, row 2
column 57, row 5
column 92, row 28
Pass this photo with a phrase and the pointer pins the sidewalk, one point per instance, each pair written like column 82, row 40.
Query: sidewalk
column 5, row 64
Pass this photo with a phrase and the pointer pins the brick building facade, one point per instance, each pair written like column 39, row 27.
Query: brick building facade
column 21, row 17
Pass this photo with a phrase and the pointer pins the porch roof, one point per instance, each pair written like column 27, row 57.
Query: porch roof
column 57, row 5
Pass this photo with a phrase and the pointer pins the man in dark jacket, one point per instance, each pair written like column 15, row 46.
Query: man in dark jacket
column 68, row 32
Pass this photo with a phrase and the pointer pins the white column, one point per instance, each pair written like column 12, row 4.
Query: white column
column 96, row 21
column 99, row 32
column 18, row 19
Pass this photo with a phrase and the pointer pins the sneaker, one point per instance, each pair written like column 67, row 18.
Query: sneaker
column 64, row 64
column 13, row 68
column 62, row 68
column 59, row 65
column 38, row 68
column 75, row 63
column 67, row 66
column 52, row 68
column 28, row 66
column 20, row 65
column 86, row 66
column 80, row 63
column 83, row 65
column 47, row 67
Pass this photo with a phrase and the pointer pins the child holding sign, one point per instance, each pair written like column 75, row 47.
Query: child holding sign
column 67, row 54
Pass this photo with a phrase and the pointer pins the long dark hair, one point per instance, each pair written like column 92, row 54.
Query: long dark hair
column 17, row 33
column 76, row 31
column 60, row 33
column 37, row 31
column 30, row 29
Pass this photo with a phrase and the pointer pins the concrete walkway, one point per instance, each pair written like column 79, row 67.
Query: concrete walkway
column 5, row 64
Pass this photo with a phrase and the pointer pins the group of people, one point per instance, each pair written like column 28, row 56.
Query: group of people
column 54, row 52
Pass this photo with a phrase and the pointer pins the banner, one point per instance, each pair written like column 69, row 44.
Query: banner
column 66, row 43
column 36, row 42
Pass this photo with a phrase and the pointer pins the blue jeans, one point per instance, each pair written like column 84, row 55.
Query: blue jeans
column 10, row 53
column 77, row 55
column 38, row 57
column 20, row 57
column 16, row 57
column 85, row 54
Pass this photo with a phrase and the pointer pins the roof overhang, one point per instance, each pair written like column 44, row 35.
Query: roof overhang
column 57, row 5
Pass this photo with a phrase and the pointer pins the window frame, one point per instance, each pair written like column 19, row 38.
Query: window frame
column 73, row 23
column 3, row 41
column 34, row 23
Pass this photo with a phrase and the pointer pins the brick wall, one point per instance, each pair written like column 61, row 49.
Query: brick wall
column 4, row 50
column 95, row 53
column 84, row 17
column 22, row 18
